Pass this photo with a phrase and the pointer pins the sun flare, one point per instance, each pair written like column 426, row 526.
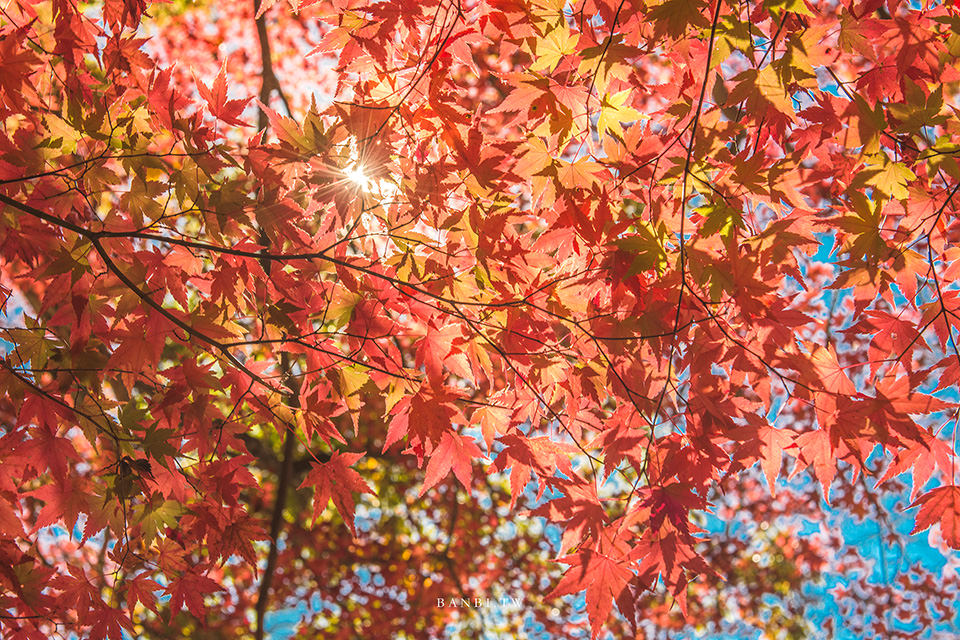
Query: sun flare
column 356, row 175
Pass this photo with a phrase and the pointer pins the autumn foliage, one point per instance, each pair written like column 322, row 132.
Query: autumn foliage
column 346, row 306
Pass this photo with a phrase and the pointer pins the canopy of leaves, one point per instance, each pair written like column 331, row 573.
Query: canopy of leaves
column 366, row 306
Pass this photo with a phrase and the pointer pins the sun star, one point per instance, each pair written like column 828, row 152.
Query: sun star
column 356, row 175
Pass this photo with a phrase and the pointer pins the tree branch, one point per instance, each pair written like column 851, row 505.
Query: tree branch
column 268, row 77
column 279, row 503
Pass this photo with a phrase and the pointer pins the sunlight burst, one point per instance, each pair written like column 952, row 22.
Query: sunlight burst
column 356, row 175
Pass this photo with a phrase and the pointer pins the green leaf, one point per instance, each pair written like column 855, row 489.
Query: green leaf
column 158, row 516
column 156, row 444
column 720, row 218
column 647, row 246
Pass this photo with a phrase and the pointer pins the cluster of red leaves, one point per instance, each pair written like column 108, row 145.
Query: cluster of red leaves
column 569, row 241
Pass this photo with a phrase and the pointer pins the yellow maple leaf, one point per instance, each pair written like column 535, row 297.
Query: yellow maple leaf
column 556, row 44
column 537, row 158
column 892, row 179
column 613, row 113
column 771, row 88
column 548, row 8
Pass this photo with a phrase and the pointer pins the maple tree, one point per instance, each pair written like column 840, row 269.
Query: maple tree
column 367, row 306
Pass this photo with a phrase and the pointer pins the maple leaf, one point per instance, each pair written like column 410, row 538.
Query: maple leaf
column 918, row 110
column 454, row 452
column 771, row 86
column 189, row 589
column 668, row 557
column 602, row 577
column 673, row 503
column 482, row 160
column 613, row 113
column 864, row 225
column 427, row 416
column 835, row 379
column 523, row 454
column 558, row 42
column 336, row 38
column 52, row 452
column 940, row 505
column 891, row 179
column 157, row 517
column 335, row 480
column 619, row 443
column 62, row 502
column 526, row 97
column 922, row 456
column 606, row 61
column 10, row 524
column 493, row 420
column 578, row 509
column 582, row 173
column 816, row 450
column 674, row 16
column 895, row 336
column 216, row 97
column 536, row 159
column 141, row 589
column 163, row 99
column 767, row 445
column 110, row 623
column 76, row 591
column 720, row 218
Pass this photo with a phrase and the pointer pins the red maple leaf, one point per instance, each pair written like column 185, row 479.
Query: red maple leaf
column 940, row 505
column 454, row 452
column 109, row 623
column 189, row 589
column 335, row 479
column 603, row 577
column 216, row 97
